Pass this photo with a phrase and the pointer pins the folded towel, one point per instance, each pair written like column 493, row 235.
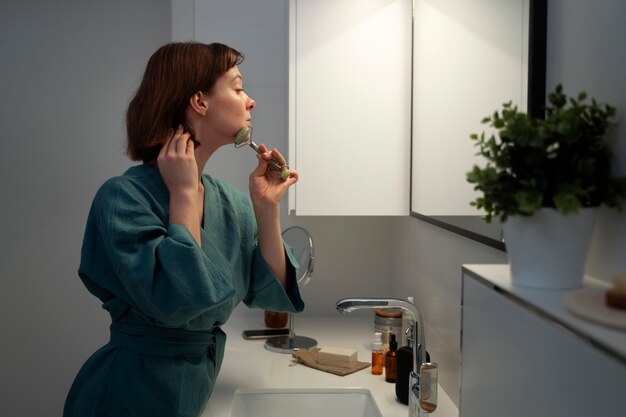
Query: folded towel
column 309, row 357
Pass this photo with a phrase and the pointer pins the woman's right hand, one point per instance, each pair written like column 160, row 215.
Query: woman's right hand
column 179, row 170
column 177, row 163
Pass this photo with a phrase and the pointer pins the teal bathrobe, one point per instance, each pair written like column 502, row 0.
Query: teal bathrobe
column 167, row 296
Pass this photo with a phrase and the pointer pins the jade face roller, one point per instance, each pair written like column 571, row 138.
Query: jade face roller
column 244, row 137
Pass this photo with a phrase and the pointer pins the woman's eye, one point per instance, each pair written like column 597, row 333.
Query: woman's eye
column 239, row 90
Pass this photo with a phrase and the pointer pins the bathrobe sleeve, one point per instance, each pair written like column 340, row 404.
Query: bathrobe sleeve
column 265, row 290
column 159, row 268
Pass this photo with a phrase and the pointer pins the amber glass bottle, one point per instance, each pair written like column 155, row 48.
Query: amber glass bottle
column 377, row 354
column 275, row 319
column 391, row 359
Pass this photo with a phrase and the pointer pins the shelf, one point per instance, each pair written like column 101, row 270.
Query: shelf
column 550, row 305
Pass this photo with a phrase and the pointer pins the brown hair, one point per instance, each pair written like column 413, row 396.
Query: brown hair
column 174, row 73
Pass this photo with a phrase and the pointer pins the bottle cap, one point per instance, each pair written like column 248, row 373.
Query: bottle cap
column 378, row 343
column 393, row 344
column 393, row 313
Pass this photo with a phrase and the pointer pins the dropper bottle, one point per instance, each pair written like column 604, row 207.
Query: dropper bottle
column 391, row 358
column 377, row 354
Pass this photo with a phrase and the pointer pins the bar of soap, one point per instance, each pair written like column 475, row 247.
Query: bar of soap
column 619, row 284
column 334, row 356
column 616, row 296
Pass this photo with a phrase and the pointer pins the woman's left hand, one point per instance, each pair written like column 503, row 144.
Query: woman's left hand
column 266, row 186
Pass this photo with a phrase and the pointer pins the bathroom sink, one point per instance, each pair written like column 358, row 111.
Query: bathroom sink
column 304, row 402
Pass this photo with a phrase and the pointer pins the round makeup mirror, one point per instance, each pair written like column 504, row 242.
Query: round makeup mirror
column 302, row 243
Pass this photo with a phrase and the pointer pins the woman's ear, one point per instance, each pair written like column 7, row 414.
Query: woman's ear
column 199, row 103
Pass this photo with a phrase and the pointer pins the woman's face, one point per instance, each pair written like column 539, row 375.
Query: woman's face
column 228, row 106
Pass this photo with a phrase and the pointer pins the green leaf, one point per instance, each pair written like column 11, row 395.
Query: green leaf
column 529, row 201
column 567, row 202
column 561, row 160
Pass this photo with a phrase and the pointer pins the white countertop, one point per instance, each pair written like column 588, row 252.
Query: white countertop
column 551, row 304
column 248, row 365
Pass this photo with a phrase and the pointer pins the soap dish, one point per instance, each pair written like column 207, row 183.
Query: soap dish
column 589, row 304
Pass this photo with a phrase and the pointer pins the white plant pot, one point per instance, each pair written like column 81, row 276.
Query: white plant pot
column 548, row 250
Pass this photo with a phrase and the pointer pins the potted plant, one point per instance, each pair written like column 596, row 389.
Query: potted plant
column 544, row 179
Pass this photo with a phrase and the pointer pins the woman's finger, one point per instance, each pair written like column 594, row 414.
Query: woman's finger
column 172, row 144
column 261, row 168
column 278, row 157
column 166, row 145
column 181, row 143
column 293, row 174
column 267, row 155
column 190, row 147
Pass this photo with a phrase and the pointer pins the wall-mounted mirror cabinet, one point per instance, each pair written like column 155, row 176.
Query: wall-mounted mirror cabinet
column 469, row 57
column 350, row 106
column 383, row 95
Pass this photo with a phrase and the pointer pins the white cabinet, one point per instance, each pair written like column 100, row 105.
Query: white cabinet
column 523, row 355
column 350, row 106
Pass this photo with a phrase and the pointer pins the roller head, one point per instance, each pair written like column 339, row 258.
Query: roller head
column 243, row 136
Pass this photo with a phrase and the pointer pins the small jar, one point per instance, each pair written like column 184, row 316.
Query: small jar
column 387, row 321
column 275, row 319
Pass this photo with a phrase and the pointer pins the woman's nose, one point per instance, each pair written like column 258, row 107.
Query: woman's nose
column 251, row 103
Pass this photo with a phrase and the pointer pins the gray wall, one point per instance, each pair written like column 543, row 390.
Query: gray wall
column 586, row 52
column 261, row 34
column 67, row 71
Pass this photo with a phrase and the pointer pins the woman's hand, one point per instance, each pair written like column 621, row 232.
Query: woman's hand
column 266, row 187
column 179, row 170
column 177, row 163
column 266, row 191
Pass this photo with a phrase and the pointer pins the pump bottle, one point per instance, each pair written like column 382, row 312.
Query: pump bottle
column 407, row 323
column 377, row 354
column 405, row 365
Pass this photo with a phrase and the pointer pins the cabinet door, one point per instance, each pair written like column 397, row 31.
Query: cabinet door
column 516, row 363
column 350, row 106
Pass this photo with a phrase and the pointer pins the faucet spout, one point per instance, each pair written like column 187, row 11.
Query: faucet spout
column 416, row 383
column 348, row 305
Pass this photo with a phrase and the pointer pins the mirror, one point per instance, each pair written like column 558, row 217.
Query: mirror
column 301, row 242
column 469, row 57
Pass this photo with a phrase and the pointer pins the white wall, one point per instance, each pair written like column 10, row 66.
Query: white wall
column 586, row 51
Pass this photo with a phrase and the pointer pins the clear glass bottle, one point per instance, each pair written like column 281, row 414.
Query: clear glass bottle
column 377, row 354
column 387, row 321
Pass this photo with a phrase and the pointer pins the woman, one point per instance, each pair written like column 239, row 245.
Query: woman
column 169, row 251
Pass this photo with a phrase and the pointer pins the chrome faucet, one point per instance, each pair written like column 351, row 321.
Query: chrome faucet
column 423, row 378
